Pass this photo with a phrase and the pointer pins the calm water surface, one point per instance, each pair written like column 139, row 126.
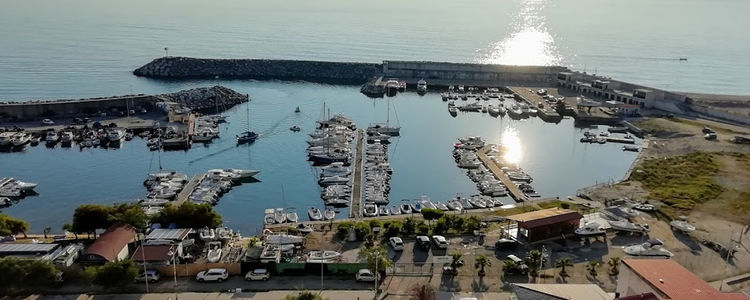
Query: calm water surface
column 85, row 48
column 421, row 157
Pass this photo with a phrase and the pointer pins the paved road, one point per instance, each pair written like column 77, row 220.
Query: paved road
column 272, row 295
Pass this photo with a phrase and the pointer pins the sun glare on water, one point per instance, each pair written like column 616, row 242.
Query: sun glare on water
column 512, row 150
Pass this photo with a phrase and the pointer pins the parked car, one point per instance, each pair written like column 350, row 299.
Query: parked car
column 48, row 122
column 521, row 267
column 148, row 275
column 212, row 275
column 396, row 243
column 505, row 244
column 440, row 241
column 257, row 274
column 423, row 242
column 365, row 275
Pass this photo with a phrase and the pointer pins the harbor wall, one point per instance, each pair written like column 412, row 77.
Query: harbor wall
column 325, row 71
column 472, row 74
column 20, row 111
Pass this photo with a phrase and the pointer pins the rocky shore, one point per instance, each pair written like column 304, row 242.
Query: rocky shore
column 186, row 67
column 206, row 98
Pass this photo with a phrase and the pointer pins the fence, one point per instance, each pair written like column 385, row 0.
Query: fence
column 410, row 269
column 193, row 269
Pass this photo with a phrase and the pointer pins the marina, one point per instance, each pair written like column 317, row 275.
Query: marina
column 426, row 140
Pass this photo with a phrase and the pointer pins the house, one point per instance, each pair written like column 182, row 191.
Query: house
column 546, row 224
column 164, row 236
column 665, row 279
column 112, row 245
column 154, row 255
column 530, row 291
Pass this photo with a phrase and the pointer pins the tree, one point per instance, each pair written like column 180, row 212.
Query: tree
column 441, row 226
column 409, row 226
column 431, row 214
column 12, row 226
column 393, row 228
column 18, row 275
column 342, row 229
column 592, row 266
column 361, row 230
column 561, row 263
column 373, row 254
column 482, row 261
column 189, row 215
column 422, row 292
column 252, row 242
column 472, row 223
column 69, row 228
column 305, row 295
column 423, row 228
column 614, row 265
column 509, row 266
column 456, row 262
column 115, row 274
column 131, row 214
column 87, row 218
column 533, row 260
column 47, row 230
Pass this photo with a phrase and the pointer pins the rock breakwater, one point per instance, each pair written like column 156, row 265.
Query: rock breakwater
column 207, row 98
column 322, row 71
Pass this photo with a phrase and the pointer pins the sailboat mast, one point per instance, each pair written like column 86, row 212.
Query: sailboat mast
column 388, row 117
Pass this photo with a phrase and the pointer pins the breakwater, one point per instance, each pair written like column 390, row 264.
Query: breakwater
column 205, row 98
column 186, row 67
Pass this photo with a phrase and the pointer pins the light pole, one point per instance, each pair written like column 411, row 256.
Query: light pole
column 377, row 274
column 166, row 52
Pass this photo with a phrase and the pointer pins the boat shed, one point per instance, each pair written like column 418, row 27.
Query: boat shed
column 154, row 255
column 112, row 245
column 546, row 224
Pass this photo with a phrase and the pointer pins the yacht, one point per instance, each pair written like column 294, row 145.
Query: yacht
column 395, row 210
column 335, row 169
column 214, row 252
column 454, row 204
column 453, row 110
column 20, row 139
column 493, row 110
column 652, row 247
column 203, row 136
column 116, row 135
column 426, row 203
column 421, row 86
column 626, row 226
column 383, row 129
column 67, row 138
column 590, row 229
column 682, row 225
column 246, row 137
column 6, row 138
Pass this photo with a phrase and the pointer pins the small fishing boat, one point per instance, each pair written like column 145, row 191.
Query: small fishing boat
column 644, row 207
column 304, row 228
column 268, row 218
column 370, row 210
column 279, row 216
column 207, row 234
column 624, row 225
column 291, row 216
column 405, row 209
column 454, row 204
column 416, row 207
column 395, row 210
column 590, row 229
column 295, row 128
column 214, row 252
column 314, row 214
column 630, row 148
column 329, row 214
column 441, row 206
column 297, row 109
column 246, row 137
column 384, row 211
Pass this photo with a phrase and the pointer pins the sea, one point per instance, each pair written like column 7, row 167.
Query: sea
column 86, row 48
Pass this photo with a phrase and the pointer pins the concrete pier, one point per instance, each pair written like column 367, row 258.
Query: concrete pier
column 355, row 207
column 189, row 188
column 513, row 190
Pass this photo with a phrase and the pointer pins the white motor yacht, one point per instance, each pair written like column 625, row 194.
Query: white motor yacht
column 116, row 135
column 314, row 214
column 20, row 139
column 652, row 247
column 590, row 229
column 291, row 216
column 370, row 210
column 279, row 216
column 214, row 252
column 329, row 214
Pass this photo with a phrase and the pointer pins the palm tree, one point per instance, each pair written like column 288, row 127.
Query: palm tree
column 47, row 230
column 561, row 263
column 456, row 263
column 481, row 262
column 592, row 266
column 422, row 292
column 614, row 265
column 534, row 261
column 509, row 266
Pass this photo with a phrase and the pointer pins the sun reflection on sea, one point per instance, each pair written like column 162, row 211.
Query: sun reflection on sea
column 511, row 143
column 529, row 44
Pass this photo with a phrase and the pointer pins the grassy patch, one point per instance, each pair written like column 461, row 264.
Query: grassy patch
column 514, row 211
column 681, row 181
column 652, row 125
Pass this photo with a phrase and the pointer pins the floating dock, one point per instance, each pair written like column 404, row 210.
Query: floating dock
column 513, row 190
column 189, row 188
column 355, row 210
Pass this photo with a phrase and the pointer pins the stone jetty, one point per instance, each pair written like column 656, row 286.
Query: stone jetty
column 200, row 99
column 206, row 98
column 322, row 71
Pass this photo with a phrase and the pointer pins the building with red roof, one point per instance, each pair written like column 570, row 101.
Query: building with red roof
column 665, row 279
column 112, row 245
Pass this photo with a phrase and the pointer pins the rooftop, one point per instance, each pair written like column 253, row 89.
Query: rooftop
column 153, row 253
column 545, row 217
column 25, row 249
column 560, row 291
column 169, row 234
column 112, row 241
column 675, row 281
